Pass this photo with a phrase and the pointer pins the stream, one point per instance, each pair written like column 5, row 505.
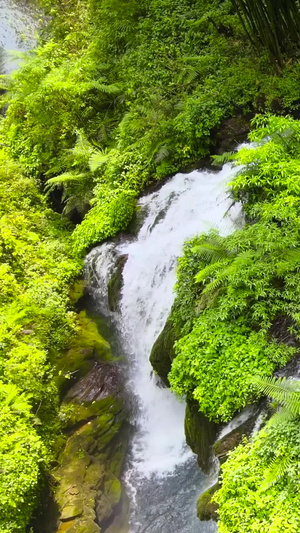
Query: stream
column 162, row 477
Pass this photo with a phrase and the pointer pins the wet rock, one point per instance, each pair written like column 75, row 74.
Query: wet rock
column 206, row 509
column 137, row 221
column 115, row 283
column 200, row 434
column 232, row 132
column 87, row 346
column 233, row 438
column 162, row 353
column 88, row 489
column 102, row 381
column 81, row 525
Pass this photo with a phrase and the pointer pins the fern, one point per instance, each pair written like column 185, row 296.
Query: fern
column 62, row 179
column 211, row 252
column 287, row 393
column 98, row 159
column 276, row 471
column 283, row 390
column 220, row 160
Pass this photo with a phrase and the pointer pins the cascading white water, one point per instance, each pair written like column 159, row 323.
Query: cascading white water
column 161, row 474
column 18, row 23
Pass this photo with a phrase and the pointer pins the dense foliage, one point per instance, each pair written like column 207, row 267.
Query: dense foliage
column 116, row 95
column 249, row 505
column 36, row 323
column 260, row 489
column 236, row 315
column 119, row 94
column 234, row 293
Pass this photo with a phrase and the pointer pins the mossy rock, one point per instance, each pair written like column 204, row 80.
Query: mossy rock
column 88, row 491
column 200, row 434
column 110, row 498
column 232, row 439
column 81, row 525
column 162, row 353
column 74, row 413
column 115, row 283
column 87, row 346
column 206, row 509
column 77, row 290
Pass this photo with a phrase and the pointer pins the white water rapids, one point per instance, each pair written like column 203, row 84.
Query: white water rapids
column 162, row 477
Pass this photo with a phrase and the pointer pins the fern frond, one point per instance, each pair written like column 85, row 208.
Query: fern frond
column 282, row 417
column 211, row 269
column 276, row 471
column 283, row 390
column 98, row 159
column 107, row 89
column 162, row 153
column 228, row 270
column 210, row 252
column 218, row 160
column 62, row 179
column 292, row 255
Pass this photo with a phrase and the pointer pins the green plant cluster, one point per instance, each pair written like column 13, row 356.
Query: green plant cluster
column 119, row 94
column 249, row 505
column 238, row 300
column 37, row 266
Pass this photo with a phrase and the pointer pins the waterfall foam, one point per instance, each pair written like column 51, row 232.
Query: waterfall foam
column 186, row 205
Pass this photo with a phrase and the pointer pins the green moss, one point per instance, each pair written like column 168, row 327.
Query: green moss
column 162, row 353
column 200, row 434
column 206, row 509
column 88, row 487
column 86, row 347
column 77, row 290
column 115, row 284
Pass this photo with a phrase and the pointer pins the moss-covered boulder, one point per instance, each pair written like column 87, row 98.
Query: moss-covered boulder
column 234, row 437
column 206, row 508
column 115, row 283
column 88, row 488
column 87, row 347
column 162, row 353
column 200, row 434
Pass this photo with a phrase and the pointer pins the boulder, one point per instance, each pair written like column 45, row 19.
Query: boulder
column 88, row 490
column 200, row 434
column 234, row 437
column 162, row 353
column 115, row 283
column 206, row 509
column 102, row 381
column 87, row 347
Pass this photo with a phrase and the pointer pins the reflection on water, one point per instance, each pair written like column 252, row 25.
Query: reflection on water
column 18, row 23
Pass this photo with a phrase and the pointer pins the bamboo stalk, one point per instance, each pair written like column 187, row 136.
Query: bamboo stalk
column 273, row 24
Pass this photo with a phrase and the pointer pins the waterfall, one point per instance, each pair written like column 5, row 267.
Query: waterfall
column 162, row 476
column 18, row 24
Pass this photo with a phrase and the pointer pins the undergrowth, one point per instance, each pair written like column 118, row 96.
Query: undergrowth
column 236, row 316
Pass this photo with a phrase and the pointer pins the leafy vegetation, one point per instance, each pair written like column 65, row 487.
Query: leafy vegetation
column 117, row 95
column 120, row 94
column 233, row 292
column 236, row 315
column 249, row 505
column 37, row 266
column 272, row 462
